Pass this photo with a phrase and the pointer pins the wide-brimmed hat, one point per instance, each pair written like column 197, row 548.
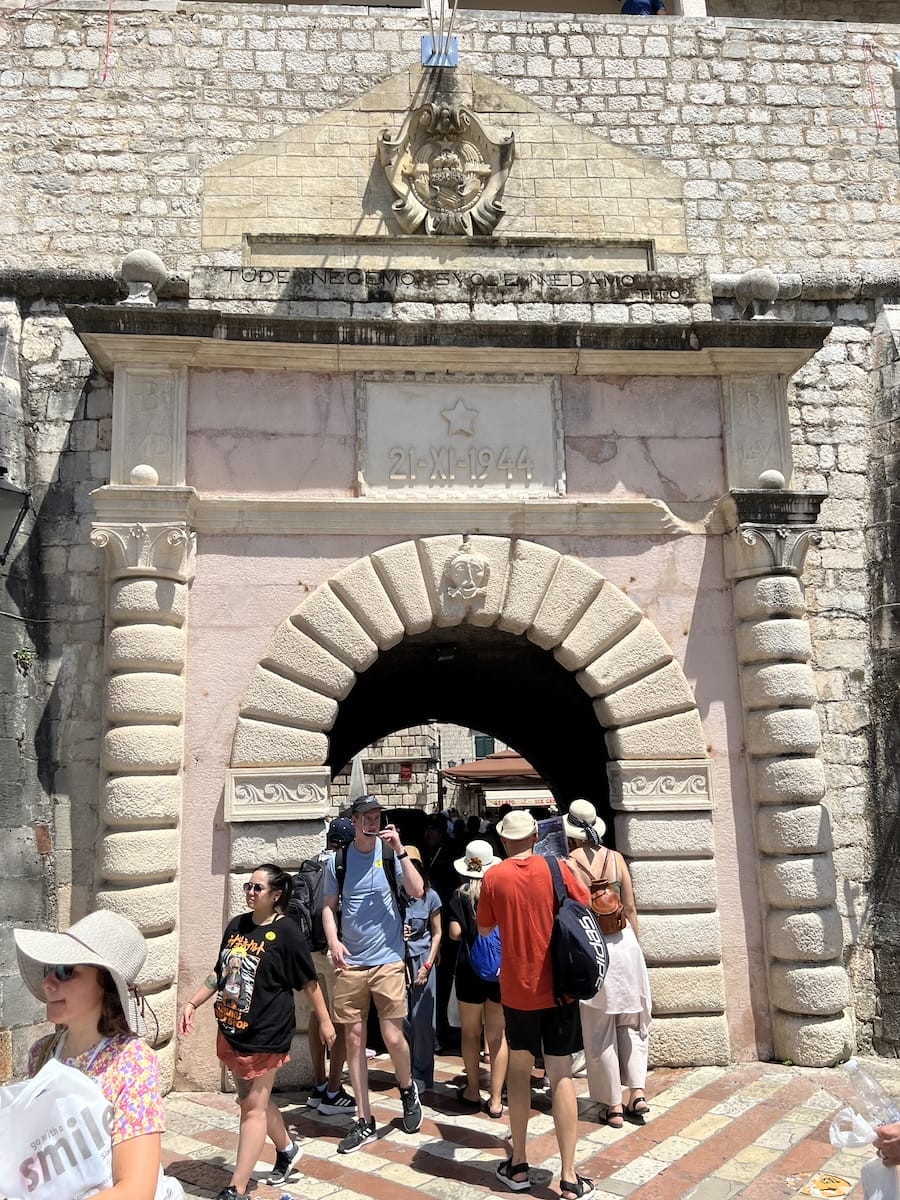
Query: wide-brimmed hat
column 101, row 939
column 478, row 857
column 517, row 825
column 581, row 817
column 364, row 804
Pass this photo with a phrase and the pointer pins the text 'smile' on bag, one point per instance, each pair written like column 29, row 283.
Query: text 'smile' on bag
column 578, row 953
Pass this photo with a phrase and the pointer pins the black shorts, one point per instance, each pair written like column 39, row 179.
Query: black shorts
column 555, row 1031
column 471, row 988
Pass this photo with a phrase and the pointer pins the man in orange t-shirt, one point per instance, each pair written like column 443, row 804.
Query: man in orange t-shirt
column 517, row 896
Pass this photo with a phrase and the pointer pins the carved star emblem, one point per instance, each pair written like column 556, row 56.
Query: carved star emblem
column 460, row 419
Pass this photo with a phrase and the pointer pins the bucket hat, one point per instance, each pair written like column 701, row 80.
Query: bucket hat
column 101, row 939
column 517, row 825
column 478, row 857
column 582, row 817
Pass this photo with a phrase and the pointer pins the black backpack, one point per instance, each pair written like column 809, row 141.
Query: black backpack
column 578, row 953
column 306, row 902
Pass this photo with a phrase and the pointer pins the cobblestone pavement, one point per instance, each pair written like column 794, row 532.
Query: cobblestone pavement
column 758, row 1131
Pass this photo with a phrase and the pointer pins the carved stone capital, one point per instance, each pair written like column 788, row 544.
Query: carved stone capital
column 277, row 794
column 768, row 549
column 660, row 786
column 166, row 549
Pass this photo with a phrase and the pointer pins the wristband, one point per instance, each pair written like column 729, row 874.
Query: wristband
column 192, row 1004
column 400, row 857
column 427, row 965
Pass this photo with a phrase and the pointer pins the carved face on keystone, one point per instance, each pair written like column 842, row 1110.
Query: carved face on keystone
column 467, row 573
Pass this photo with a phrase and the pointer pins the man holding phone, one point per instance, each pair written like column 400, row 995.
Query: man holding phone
column 368, row 954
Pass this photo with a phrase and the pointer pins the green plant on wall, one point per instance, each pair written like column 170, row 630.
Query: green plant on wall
column 23, row 658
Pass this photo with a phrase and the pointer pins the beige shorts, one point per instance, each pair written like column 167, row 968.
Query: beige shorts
column 355, row 987
column 325, row 975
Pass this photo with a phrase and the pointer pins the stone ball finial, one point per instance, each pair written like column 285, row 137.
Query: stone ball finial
column 143, row 475
column 144, row 272
column 772, row 480
column 757, row 289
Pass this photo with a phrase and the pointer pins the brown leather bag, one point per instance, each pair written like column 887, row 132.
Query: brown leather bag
column 605, row 901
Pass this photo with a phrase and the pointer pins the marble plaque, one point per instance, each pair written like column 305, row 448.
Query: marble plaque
column 276, row 794
column 431, row 439
column 757, row 433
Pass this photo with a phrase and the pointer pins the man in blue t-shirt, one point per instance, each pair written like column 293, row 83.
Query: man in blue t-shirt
column 369, row 959
column 643, row 8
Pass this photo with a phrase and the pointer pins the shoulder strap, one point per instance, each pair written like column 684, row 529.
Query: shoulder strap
column 615, row 877
column 559, row 888
column 340, row 869
column 387, row 861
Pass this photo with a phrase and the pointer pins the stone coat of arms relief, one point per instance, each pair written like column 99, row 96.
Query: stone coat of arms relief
column 447, row 170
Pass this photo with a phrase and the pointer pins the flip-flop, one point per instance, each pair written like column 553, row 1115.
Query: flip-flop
column 463, row 1099
column 505, row 1173
column 581, row 1189
column 495, row 1116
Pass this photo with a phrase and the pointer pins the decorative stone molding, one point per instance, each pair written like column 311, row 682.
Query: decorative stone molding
column 660, row 786
column 466, row 574
column 447, row 170
column 277, row 795
column 144, row 273
column 166, row 550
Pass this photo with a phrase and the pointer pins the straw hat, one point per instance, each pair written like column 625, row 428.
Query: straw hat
column 414, row 853
column 478, row 857
column 101, row 939
column 581, row 817
column 517, row 825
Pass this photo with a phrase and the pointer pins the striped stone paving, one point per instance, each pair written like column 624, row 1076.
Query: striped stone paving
column 758, row 1131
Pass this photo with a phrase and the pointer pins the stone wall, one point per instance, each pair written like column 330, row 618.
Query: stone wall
column 419, row 748
column 805, row 10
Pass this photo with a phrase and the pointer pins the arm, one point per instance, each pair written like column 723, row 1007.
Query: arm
column 336, row 947
column 410, row 877
column 313, row 994
column 454, row 930
column 434, row 921
column 207, row 988
column 887, row 1143
column 484, row 917
column 135, row 1169
column 627, row 892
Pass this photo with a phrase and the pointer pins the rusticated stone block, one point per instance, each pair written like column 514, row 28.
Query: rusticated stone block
column 271, row 841
column 327, row 621
column 802, row 882
column 139, row 856
column 783, row 731
column 675, row 884
column 815, row 936
column 800, row 829
column 571, row 590
column 809, row 1042
column 272, row 697
column 774, row 641
column 664, row 836
column 769, row 596
column 142, row 800
column 608, row 617
column 681, row 938
column 162, row 1022
column 639, row 652
column 161, row 964
column 401, row 573
column 160, row 601
column 693, row 989
column 166, row 1058
column 788, row 780
column 292, row 653
column 145, row 696
column 359, row 587
column 531, row 568
column 679, row 736
column 774, row 684
column 257, row 743
column 689, row 1042
column 154, row 908
column 663, row 693
column 800, row 988
column 143, row 749
column 146, row 648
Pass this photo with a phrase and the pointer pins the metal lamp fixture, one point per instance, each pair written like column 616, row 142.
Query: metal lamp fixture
column 14, row 503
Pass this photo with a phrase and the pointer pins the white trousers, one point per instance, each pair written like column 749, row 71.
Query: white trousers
column 615, row 1053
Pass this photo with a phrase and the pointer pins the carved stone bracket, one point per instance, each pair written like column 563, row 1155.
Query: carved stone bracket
column 147, row 549
column 769, row 549
column 447, row 170
column 277, row 794
column 660, row 785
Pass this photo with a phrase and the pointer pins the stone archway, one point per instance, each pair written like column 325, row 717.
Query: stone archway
column 659, row 773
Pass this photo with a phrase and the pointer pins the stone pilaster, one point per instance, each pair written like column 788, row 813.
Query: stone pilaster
column 770, row 532
column 148, row 569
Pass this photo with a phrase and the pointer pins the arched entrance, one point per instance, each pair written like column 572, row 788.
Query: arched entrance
column 518, row 620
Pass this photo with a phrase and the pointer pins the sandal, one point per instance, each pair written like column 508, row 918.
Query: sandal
column 463, row 1099
column 495, row 1116
column 613, row 1117
column 508, row 1169
column 581, row 1189
column 637, row 1110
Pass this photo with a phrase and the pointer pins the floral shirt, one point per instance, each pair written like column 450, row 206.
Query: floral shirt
column 127, row 1072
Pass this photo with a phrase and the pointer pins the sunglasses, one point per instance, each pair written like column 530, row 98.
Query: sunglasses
column 255, row 887
column 62, row 971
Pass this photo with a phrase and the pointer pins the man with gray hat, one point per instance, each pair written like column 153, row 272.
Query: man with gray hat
column 518, row 897
column 369, row 956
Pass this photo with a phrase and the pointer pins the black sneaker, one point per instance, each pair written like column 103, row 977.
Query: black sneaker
column 412, row 1109
column 231, row 1193
column 359, row 1134
column 317, row 1095
column 284, row 1164
column 341, row 1102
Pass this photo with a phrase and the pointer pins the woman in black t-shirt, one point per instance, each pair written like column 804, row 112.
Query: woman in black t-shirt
column 262, row 960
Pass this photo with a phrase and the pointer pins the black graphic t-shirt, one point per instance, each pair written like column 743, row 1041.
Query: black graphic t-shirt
column 258, row 969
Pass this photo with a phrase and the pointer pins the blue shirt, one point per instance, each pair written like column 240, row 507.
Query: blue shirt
column 371, row 928
column 418, row 918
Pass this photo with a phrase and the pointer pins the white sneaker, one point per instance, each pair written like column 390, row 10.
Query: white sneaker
column 579, row 1064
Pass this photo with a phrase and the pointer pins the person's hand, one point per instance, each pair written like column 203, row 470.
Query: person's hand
column 339, row 955
column 391, row 835
column 887, row 1143
column 327, row 1033
column 186, row 1024
column 422, row 976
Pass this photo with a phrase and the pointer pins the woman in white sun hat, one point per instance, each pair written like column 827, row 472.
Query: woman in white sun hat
column 616, row 1022
column 87, row 978
column 479, row 1000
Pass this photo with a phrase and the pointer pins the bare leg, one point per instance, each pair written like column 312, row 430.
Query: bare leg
column 470, row 1044
column 495, row 1031
column 254, row 1104
column 354, row 1031
column 565, row 1111
column 337, row 1059
column 316, row 1049
column 398, row 1048
column 519, row 1086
